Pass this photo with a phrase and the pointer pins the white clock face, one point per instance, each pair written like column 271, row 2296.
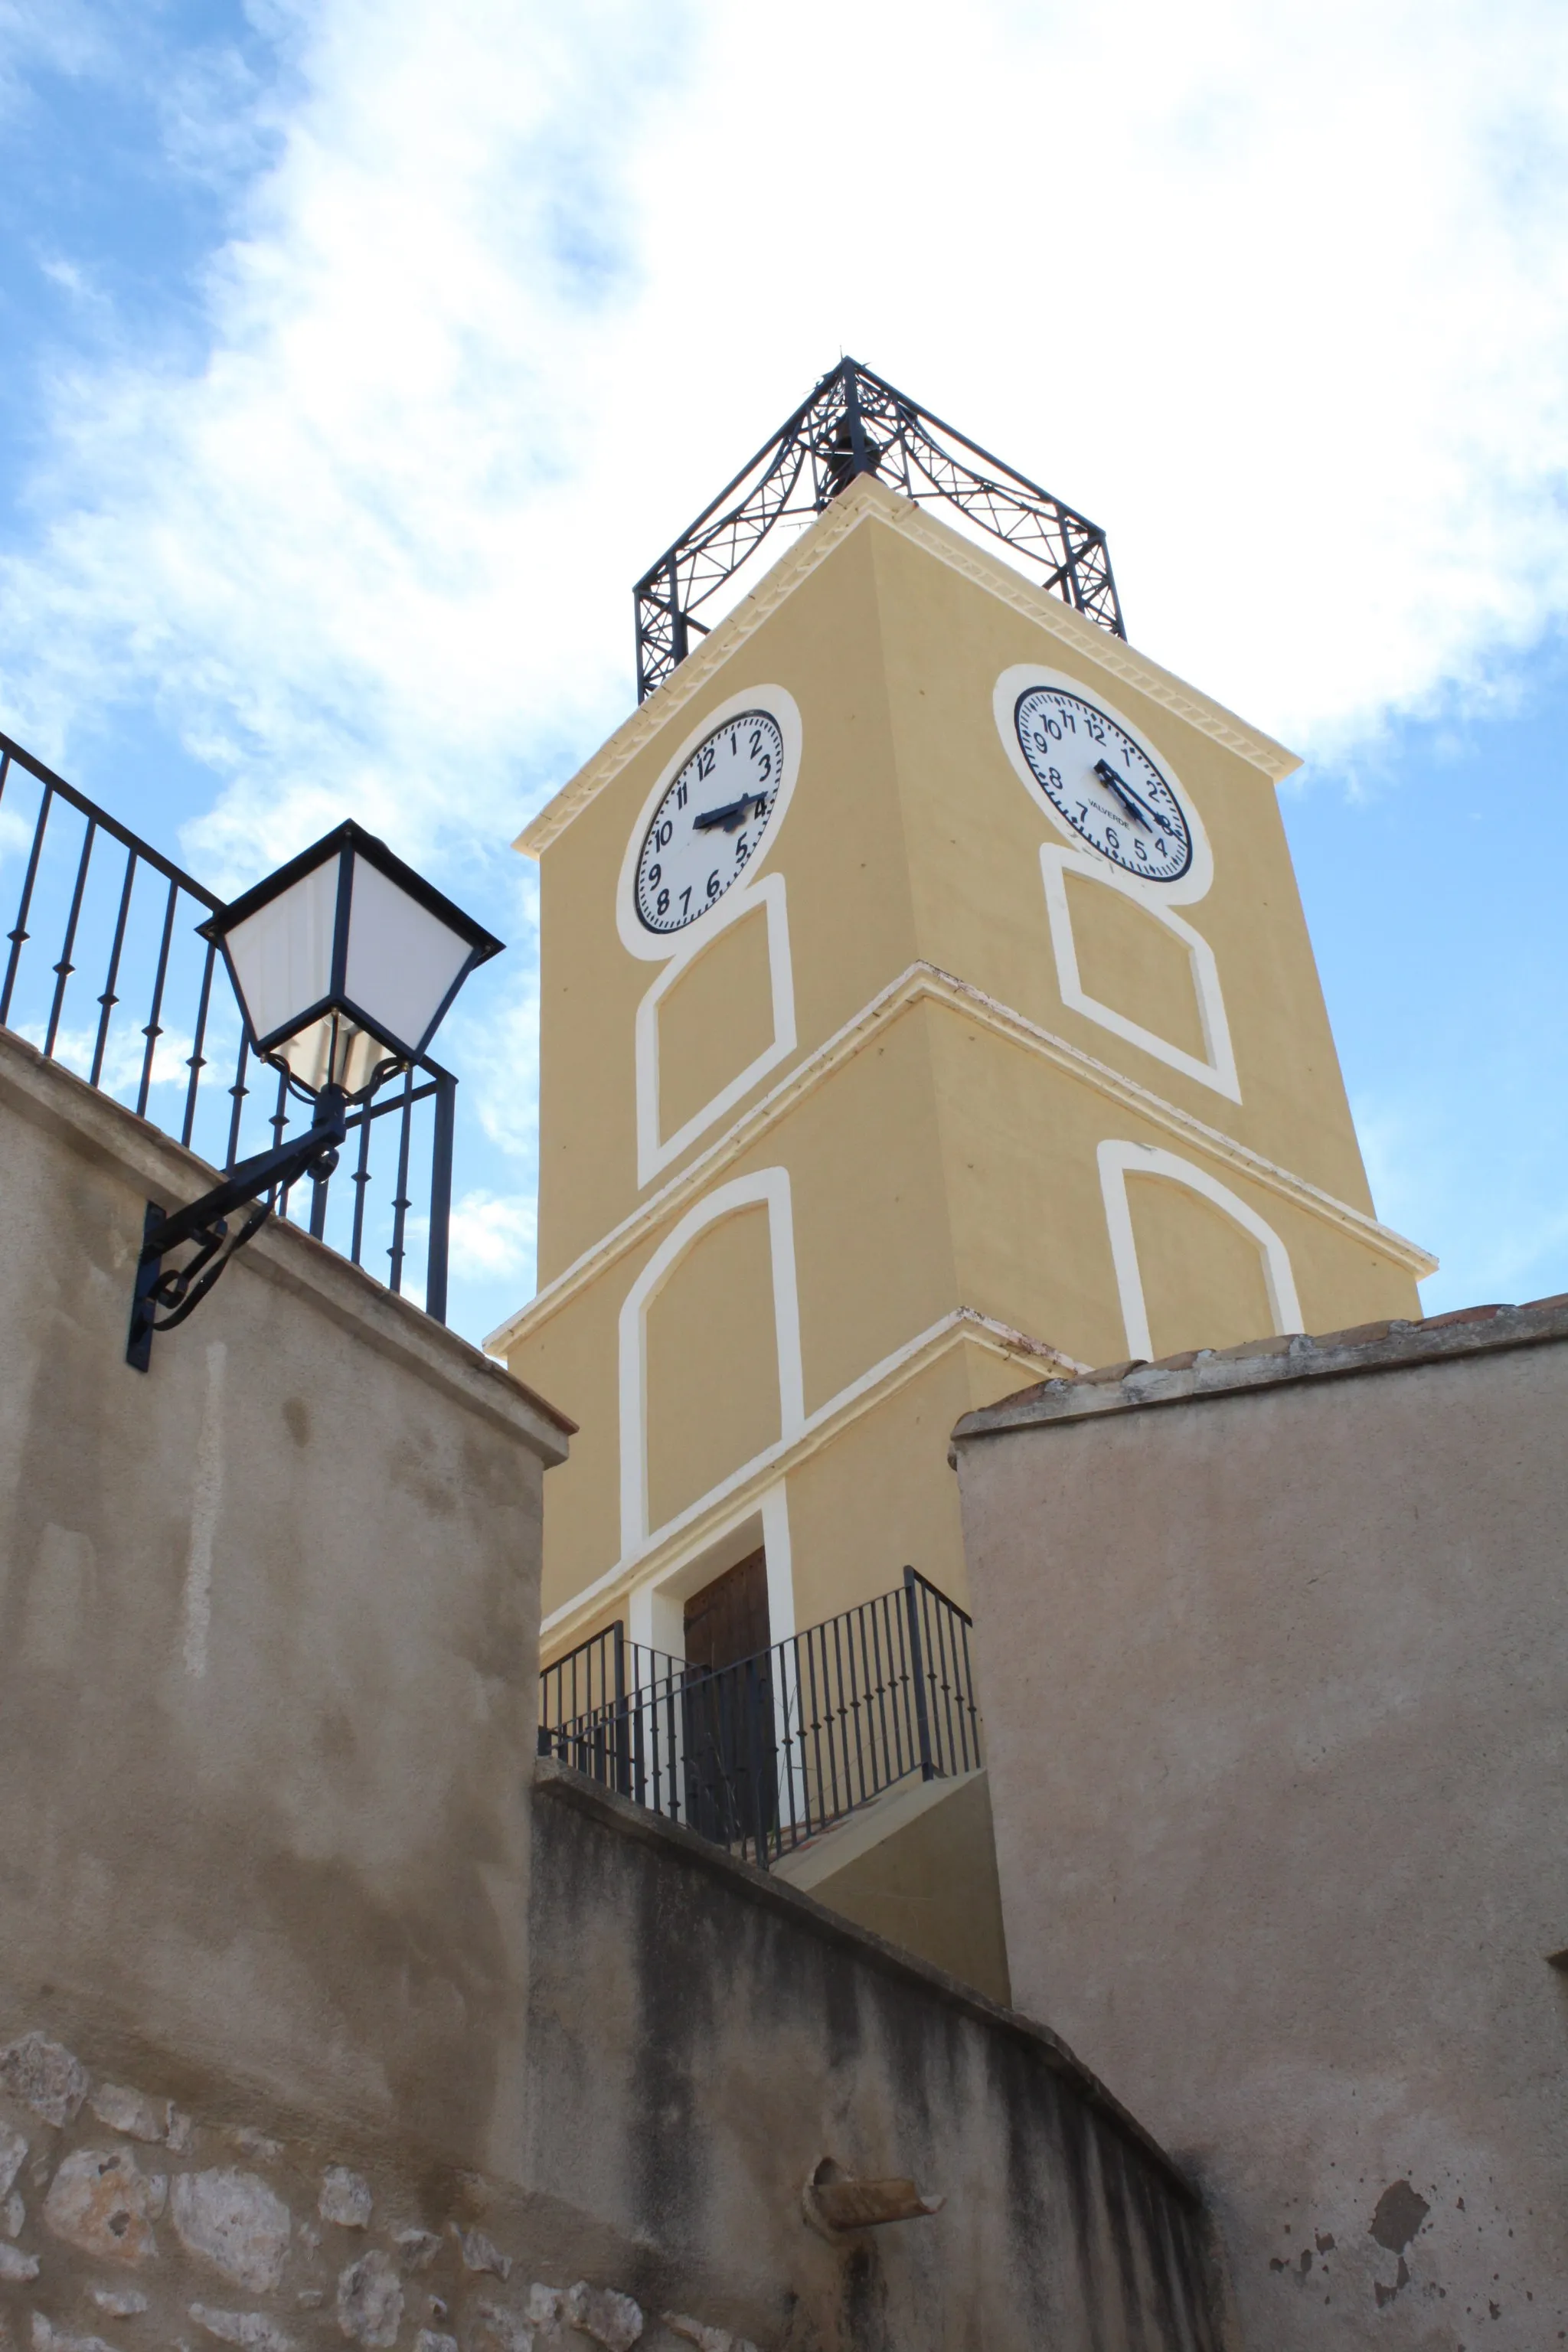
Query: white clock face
column 710, row 825
column 1103, row 783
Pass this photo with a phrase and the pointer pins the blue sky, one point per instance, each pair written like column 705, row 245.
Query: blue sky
column 359, row 354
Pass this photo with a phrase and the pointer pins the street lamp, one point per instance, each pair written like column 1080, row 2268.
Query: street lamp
column 344, row 962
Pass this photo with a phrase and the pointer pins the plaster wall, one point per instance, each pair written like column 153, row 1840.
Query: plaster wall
column 1275, row 1665
column 267, row 1644
column 731, row 2035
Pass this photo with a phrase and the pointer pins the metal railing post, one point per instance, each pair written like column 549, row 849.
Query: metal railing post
column 440, row 1197
column 622, row 1752
column 917, row 1664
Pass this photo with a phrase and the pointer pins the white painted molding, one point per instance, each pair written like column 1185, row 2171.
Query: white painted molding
column 867, row 500
column 768, row 1188
column 768, row 894
column 1118, row 1160
column 1198, row 879
column 654, row 1614
column 658, row 947
column 1218, row 1070
column 925, row 984
column 701, row 1524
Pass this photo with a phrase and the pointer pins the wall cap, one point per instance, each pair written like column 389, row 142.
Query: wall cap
column 1200, row 1372
column 49, row 1096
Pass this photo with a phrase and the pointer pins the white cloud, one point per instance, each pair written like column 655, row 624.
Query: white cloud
column 1277, row 294
column 492, row 1236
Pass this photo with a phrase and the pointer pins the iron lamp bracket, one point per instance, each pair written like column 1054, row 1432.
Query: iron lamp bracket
column 164, row 1297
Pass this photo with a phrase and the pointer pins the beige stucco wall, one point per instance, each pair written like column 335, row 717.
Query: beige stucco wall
column 1275, row 1665
column 268, row 1640
column 941, row 1151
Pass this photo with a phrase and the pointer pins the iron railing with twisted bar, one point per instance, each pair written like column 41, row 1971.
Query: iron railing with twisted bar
column 765, row 1754
column 855, row 423
column 162, row 1025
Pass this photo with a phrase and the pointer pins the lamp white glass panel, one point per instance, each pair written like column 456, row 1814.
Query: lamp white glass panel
column 402, row 959
column 334, row 1048
column 282, row 955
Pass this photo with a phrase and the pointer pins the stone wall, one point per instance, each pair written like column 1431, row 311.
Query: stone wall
column 1274, row 1659
column 129, row 2221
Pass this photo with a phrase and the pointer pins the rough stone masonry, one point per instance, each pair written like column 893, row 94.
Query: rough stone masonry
column 129, row 2221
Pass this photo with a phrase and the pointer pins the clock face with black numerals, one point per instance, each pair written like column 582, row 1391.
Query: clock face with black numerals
column 1103, row 783
column 710, row 825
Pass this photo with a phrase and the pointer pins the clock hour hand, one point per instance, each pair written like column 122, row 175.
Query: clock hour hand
column 1138, row 809
column 732, row 817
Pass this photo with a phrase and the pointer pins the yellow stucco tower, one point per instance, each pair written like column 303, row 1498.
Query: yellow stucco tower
column 927, row 1008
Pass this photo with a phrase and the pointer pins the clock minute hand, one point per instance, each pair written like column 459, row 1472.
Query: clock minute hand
column 1130, row 799
column 1124, row 793
column 730, row 818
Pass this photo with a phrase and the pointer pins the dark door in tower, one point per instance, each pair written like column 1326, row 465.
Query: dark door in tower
column 731, row 1778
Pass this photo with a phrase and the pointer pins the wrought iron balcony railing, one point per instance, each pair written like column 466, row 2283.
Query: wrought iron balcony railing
column 765, row 1754
column 133, row 1002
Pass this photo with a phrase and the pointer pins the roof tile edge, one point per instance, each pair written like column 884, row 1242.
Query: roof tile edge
column 1272, row 1362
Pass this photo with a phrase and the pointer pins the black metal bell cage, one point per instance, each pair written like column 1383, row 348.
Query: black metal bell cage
column 854, row 423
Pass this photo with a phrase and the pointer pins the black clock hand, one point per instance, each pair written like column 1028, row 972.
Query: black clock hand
column 732, row 817
column 1137, row 809
column 1124, row 793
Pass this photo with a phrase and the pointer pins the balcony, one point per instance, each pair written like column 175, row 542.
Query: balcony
column 769, row 1753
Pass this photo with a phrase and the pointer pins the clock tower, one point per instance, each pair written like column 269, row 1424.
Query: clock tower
column 927, row 1008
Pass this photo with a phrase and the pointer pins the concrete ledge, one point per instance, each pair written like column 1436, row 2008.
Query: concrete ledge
column 557, row 1783
column 140, row 1154
column 1271, row 1363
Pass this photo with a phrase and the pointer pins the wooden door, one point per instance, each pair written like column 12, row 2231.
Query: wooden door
column 731, row 1774
column 727, row 1620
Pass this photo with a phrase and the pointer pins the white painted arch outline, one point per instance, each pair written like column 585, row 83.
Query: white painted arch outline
column 1219, row 1070
column 767, row 893
column 1118, row 1160
column 768, row 1188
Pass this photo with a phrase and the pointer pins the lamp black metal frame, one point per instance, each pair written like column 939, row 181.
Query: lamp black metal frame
column 162, row 1299
column 205, row 1223
column 349, row 842
column 855, row 423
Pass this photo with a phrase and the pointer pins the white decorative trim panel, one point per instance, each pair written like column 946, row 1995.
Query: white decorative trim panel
column 655, row 1152
column 1218, row 1069
column 1118, row 1160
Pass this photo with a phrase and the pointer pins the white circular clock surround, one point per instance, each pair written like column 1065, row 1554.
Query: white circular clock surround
column 709, row 821
column 1102, row 783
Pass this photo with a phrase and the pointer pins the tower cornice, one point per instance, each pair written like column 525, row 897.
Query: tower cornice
column 866, row 500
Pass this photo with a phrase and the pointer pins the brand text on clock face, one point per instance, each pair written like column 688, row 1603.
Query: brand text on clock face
column 709, row 825
column 1106, row 787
